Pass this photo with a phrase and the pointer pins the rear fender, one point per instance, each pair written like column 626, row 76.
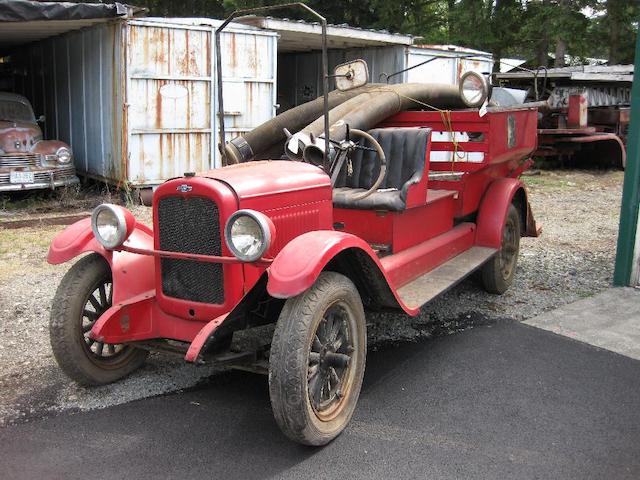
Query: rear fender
column 606, row 150
column 298, row 265
column 494, row 208
column 132, row 274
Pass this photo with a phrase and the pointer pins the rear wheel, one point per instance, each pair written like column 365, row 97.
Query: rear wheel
column 317, row 360
column 84, row 294
column 498, row 273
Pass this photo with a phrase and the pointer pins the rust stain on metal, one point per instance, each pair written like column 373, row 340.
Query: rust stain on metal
column 142, row 160
column 189, row 87
column 198, row 152
column 207, row 49
column 187, row 52
column 253, row 58
column 159, row 104
column 161, row 150
column 188, row 150
column 169, row 64
column 124, row 323
column 171, row 151
column 233, row 53
column 118, row 104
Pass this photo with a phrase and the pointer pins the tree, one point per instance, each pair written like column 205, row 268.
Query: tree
column 621, row 30
column 531, row 29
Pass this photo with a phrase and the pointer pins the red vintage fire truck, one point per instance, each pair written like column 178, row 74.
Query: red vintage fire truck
column 389, row 218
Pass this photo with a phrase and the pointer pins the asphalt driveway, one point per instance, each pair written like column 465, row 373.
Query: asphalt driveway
column 500, row 401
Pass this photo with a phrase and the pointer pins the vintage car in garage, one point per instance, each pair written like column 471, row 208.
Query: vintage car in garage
column 27, row 161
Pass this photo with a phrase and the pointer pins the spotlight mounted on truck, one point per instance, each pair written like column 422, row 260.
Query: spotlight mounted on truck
column 474, row 89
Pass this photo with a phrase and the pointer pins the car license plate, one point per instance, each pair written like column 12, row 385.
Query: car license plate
column 21, row 177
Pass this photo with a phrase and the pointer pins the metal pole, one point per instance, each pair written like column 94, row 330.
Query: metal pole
column 627, row 240
column 220, row 99
column 325, row 93
column 325, row 70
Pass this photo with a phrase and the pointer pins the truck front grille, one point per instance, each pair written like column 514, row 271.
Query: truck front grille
column 190, row 225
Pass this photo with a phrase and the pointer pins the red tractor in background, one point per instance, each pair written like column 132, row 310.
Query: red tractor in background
column 584, row 111
column 387, row 217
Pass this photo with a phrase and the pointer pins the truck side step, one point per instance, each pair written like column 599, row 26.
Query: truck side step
column 428, row 286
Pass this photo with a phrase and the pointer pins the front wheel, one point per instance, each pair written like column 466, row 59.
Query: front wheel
column 317, row 360
column 84, row 294
column 499, row 272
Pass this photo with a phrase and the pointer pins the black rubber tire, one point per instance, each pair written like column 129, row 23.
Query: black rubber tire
column 289, row 360
column 65, row 328
column 493, row 275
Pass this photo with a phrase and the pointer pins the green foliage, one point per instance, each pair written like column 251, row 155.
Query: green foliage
column 530, row 29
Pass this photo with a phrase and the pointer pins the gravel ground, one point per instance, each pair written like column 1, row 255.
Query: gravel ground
column 573, row 259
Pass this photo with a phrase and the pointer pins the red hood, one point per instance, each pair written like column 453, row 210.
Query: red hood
column 269, row 177
column 18, row 136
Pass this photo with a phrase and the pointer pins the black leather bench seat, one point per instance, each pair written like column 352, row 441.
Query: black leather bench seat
column 405, row 150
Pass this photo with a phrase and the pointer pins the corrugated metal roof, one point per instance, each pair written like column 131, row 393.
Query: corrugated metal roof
column 14, row 34
column 600, row 73
column 199, row 21
column 298, row 35
column 23, row 22
column 453, row 48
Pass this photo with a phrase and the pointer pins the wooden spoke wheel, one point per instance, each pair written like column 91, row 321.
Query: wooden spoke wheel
column 498, row 273
column 317, row 360
column 84, row 294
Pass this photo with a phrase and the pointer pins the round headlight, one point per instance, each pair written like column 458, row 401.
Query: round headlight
column 109, row 225
column 63, row 155
column 474, row 89
column 248, row 235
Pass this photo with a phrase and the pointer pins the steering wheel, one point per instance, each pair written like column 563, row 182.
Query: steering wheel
column 376, row 147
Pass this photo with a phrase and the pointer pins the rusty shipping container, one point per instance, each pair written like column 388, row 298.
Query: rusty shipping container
column 136, row 99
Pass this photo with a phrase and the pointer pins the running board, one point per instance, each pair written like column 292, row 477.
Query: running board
column 427, row 287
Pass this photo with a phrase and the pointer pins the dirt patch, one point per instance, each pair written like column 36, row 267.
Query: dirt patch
column 572, row 259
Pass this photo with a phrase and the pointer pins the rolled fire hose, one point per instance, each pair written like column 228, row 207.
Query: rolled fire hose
column 244, row 148
column 370, row 108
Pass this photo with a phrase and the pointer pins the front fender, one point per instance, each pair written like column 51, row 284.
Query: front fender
column 300, row 262
column 494, row 208
column 132, row 274
column 47, row 147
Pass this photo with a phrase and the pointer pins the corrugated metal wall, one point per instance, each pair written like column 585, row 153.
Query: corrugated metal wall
column 171, row 99
column 169, row 85
column 442, row 70
column 447, row 67
column 299, row 74
column 73, row 80
column 146, row 88
column 249, row 72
